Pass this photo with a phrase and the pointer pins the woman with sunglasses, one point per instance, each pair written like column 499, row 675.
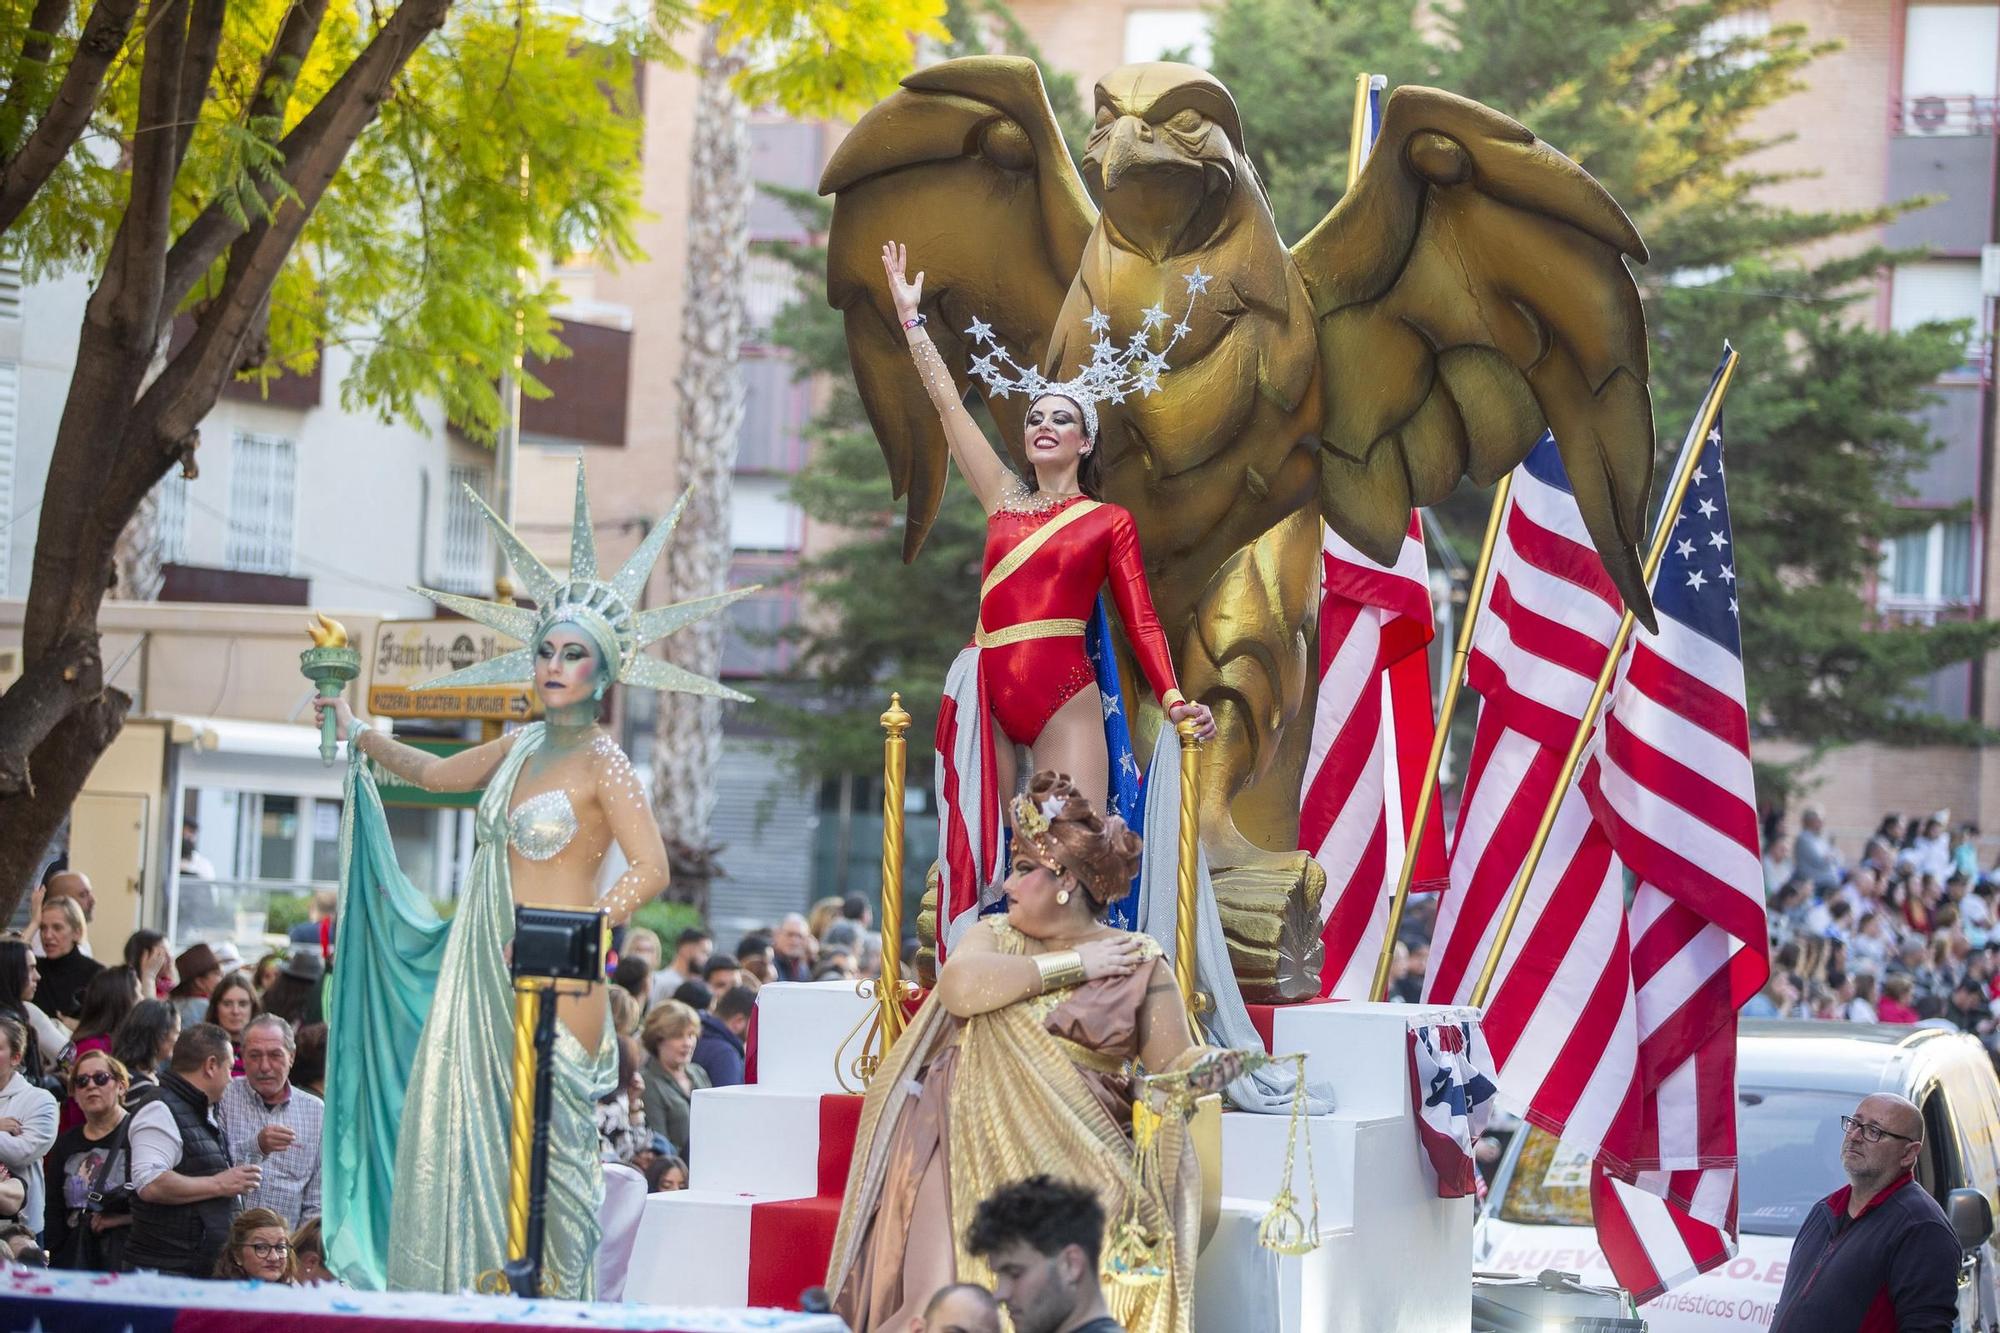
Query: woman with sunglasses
column 259, row 1248
column 90, row 1204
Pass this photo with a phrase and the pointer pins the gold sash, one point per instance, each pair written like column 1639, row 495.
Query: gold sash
column 1012, row 561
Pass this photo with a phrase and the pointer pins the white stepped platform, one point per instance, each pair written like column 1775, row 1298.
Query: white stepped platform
column 1392, row 1256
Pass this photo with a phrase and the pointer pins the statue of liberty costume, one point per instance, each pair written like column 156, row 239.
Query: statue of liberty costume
column 420, row 1009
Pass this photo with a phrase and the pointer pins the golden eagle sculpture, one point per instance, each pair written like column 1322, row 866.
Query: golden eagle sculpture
column 1470, row 290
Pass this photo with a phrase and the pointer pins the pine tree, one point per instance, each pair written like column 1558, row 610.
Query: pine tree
column 1822, row 441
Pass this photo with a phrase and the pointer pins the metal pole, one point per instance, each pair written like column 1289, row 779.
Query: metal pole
column 1189, row 849
column 895, row 757
column 1378, row 988
column 1354, row 134
column 521, row 1135
column 525, row 1272
column 1587, row 724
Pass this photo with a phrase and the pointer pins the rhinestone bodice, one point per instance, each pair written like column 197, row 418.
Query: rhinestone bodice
column 542, row 826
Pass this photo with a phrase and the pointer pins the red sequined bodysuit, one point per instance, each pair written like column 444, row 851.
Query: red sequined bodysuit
column 1038, row 588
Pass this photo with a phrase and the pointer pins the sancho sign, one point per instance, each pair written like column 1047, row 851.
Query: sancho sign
column 409, row 652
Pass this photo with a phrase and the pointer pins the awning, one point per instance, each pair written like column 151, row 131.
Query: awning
column 281, row 758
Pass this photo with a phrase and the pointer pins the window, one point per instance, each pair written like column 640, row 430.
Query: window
column 468, row 557
column 1949, row 74
column 10, row 291
column 1940, row 289
column 1157, row 34
column 770, row 284
column 762, row 518
column 262, row 498
column 1930, row 568
column 775, row 408
column 1749, row 25
column 170, row 519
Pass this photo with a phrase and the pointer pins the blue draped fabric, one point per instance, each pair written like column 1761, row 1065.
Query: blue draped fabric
column 388, row 954
column 1127, row 781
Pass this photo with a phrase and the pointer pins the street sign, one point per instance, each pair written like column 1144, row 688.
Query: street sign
column 409, row 652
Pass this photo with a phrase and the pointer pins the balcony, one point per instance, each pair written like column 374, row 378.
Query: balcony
column 1943, row 145
column 236, row 587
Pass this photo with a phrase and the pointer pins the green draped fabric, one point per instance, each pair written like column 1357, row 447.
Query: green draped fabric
column 420, row 1071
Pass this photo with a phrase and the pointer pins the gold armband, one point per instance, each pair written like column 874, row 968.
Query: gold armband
column 1060, row 971
column 1172, row 699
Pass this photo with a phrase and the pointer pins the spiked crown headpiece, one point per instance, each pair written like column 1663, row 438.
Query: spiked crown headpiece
column 603, row 608
column 1113, row 373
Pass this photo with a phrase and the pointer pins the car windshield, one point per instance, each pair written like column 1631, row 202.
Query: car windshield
column 1788, row 1150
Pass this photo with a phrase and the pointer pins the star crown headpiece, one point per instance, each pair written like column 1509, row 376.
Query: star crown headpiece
column 1113, row 373
column 605, row 608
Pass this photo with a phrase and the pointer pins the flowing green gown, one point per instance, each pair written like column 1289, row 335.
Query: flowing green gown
column 419, row 1080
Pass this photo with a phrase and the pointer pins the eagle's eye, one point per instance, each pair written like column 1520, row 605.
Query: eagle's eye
column 1185, row 122
column 1105, row 115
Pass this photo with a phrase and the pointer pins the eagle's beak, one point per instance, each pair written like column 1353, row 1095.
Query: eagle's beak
column 1134, row 145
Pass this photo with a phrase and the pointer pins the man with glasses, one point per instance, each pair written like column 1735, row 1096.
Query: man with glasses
column 1878, row 1253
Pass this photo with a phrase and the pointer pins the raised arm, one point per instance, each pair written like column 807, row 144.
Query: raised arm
column 977, row 463
column 630, row 816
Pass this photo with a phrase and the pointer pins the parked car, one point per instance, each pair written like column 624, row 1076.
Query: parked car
column 1794, row 1082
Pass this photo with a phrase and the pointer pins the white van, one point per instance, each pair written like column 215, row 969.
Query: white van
column 1794, row 1081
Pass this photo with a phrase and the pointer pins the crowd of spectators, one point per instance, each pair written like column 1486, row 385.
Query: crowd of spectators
column 683, row 1020
column 163, row 1111
column 1902, row 930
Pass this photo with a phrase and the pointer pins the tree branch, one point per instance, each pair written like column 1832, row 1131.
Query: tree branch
column 128, row 298
column 69, row 110
column 52, row 688
column 197, row 67
column 36, row 47
column 186, row 390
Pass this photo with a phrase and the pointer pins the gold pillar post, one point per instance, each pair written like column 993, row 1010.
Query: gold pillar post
column 1683, row 472
column 1378, row 989
column 521, row 1136
column 1361, row 82
column 895, row 758
column 1189, row 849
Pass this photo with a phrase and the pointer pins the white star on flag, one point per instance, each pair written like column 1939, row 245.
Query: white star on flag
column 1128, row 764
column 1717, row 540
column 979, row 329
column 1695, row 580
column 1110, row 705
column 1729, row 575
column 1097, row 320
column 1715, row 436
column 1732, row 606
column 1684, row 548
column 1699, row 476
column 1707, row 508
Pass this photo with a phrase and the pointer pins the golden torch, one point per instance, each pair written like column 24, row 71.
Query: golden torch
column 329, row 664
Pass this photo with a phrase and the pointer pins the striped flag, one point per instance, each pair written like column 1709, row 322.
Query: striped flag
column 1614, row 1027
column 1671, row 785
column 1371, row 741
column 1372, row 731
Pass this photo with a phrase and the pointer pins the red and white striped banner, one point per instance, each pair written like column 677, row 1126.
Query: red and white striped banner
column 1371, row 741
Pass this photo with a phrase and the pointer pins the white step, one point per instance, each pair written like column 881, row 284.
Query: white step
column 800, row 1027
column 755, row 1140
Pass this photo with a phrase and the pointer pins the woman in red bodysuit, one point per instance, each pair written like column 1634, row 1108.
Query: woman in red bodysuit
column 1048, row 552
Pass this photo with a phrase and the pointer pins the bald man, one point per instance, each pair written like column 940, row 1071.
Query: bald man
column 1877, row 1253
column 959, row 1308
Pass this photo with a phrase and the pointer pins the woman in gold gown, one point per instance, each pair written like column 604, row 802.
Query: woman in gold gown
column 1022, row 1061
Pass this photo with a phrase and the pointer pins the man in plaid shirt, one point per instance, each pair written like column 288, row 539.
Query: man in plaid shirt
column 269, row 1123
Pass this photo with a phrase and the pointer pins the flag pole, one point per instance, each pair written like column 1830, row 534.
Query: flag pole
column 1361, row 82
column 1587, row 724
column 1378, row 989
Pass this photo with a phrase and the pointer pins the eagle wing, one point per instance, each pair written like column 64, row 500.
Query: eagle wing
column 965, row 164
column 1469, row 291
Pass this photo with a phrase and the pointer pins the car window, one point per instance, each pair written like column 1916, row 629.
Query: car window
column 1938, row 1168
column 1788, row 1154
column 1550, row 1184
column 1973, row 1101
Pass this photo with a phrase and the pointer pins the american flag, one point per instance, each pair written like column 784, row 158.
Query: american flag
column 1372, row 731
column 1614, row 1028
column 1371, row 741
column 1671, row 785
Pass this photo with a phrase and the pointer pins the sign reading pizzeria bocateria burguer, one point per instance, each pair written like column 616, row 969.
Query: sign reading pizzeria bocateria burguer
column 409, row 652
